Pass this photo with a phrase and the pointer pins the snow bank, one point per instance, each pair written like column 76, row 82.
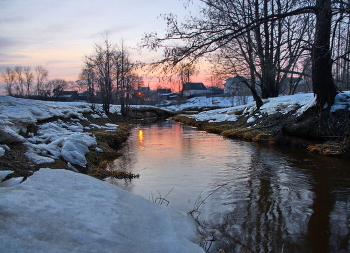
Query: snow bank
column 17, row 114
column 210, row 102
column 342, row 101
column 63, row 211
column 53, row 139
column 282, row 104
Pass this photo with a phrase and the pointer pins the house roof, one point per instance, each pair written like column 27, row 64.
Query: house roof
column 164, row 90
column 194, row 86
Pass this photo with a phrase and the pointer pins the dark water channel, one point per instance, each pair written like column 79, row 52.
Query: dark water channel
column 261, row 199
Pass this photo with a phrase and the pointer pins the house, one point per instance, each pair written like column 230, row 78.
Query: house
column 85, row 95
column 145, row 91
column 194, row 89
column 213, row 90
column 292, row 85
column 163, row 91
column 66, row 96
column 234, row 87
column 164, row 94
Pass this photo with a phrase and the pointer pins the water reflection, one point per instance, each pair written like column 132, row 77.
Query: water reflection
column 140, row 136
column 266, row 200
column 267, row 210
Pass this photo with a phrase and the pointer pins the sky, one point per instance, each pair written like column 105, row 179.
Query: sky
column 57, row 34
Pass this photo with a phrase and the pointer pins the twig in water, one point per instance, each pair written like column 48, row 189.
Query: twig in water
column 160, row 200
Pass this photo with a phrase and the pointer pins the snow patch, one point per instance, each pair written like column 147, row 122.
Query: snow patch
column 250, row 120
column 38, row 159
column 342, row 102
column 2, row 151
column 4, row 173
column 64, row 211
column 11, row 182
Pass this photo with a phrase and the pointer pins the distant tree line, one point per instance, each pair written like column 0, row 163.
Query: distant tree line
column 108, row 75
column 22, row 81
column 265, row 42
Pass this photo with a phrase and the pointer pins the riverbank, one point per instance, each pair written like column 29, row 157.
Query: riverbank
column 288, row 121
column 74, row 136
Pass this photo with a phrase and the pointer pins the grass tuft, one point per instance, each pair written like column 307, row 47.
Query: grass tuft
column 104, row 173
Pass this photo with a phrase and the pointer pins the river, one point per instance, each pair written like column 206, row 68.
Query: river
column 257, row 198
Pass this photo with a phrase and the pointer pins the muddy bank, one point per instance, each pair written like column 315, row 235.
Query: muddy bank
column 326, row 134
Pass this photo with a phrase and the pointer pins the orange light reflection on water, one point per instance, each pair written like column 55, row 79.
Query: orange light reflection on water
column 141, row 137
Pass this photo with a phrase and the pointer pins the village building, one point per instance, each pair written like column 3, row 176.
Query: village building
column 66, row 96
column 234, row 87
column 194, row 89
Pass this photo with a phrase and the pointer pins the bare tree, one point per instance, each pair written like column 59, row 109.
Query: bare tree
column 9, row 78
column 103, row 61
column 322, row 78
column 126, row 81
column 88, row 79
column 111, row 68
column 28, row 79
column 203, row 35
column 184, row 72
column 41, row 75
column 341, row 51
column 19, row 81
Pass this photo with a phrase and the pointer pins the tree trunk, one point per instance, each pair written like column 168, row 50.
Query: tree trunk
column 322, row 79
column 251, row 86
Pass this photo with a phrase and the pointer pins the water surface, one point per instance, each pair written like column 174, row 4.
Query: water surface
column 261, row 199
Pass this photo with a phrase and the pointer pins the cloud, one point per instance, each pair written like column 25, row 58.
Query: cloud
column 7, row 42
column 10, row 57
column 11, row 20
column 53, row 62
column 114, row 30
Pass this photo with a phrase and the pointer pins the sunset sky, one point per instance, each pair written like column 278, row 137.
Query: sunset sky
column 57, row 34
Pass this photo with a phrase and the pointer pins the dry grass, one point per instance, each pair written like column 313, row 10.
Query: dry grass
column 113, row 138
column 263, row 138
column 330, row 148
column 105, row 173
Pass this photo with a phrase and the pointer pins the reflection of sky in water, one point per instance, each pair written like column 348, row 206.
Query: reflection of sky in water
column 264, row 197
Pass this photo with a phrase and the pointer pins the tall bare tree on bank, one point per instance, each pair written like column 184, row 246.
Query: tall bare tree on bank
column 87, row 78
column 111, row 68
column 124, row 81
column 102, row 61
column 202, row 36
column 322, row 78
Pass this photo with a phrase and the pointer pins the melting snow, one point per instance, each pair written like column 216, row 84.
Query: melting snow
column 64, row 211
column 282, row 104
